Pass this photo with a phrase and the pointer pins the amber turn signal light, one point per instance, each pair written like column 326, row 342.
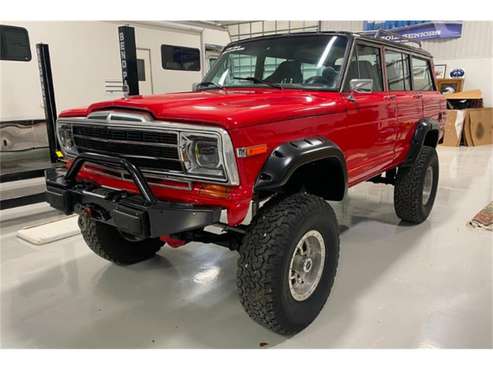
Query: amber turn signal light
column 216, row 191
column 250, row 151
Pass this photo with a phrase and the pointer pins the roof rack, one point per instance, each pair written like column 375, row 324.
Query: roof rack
column 390, row 36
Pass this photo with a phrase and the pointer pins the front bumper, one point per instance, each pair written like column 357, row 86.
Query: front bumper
column 140, row 215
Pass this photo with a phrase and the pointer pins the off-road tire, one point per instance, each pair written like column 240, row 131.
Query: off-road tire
column 107, row 242
column 408, row 190
column 265, row 256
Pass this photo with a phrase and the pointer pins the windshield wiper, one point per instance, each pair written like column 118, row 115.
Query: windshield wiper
column 210, row 83
column 258, row 81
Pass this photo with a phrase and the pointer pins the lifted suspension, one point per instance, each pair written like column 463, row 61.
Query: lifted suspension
column 231, row 237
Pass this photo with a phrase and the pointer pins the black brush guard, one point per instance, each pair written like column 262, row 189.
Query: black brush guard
column 140, row 215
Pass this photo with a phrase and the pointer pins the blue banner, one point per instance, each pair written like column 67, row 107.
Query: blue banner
column 417, row 30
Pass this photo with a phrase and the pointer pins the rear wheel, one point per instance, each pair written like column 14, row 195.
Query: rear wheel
column 107, row 242
column 416, row 187
column 288, row 261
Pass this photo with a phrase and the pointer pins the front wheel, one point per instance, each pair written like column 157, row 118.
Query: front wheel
column 416, row 187
column 288, row 262
column 108, row 243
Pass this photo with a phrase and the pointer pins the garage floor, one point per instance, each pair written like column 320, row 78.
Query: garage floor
column 397, row 286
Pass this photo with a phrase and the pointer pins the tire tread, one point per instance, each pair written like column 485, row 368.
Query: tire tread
column 108, row 243
column 408, row 187
column 261, row 254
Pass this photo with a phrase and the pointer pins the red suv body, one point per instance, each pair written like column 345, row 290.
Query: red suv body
column 280, row 114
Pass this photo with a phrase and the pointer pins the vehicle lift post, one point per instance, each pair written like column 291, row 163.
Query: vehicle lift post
column 48, row 94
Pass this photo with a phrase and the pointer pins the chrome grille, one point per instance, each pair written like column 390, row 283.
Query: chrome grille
column 152, row 145
column 108, row 133
column 147, row 149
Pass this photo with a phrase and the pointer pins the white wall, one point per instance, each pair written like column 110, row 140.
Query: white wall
column 249, row 29
column 152, row 37
column 473, row 52
column 216, row 37
column 84, row 55
column 257, row 28
column 351, row 26
column 90, row 48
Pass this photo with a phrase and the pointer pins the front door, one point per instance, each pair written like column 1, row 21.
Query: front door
column 144, row 71
column 371, row 117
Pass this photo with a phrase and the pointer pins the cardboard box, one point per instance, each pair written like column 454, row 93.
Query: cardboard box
column 474, row 126
column 478, row 126
column 453, row 127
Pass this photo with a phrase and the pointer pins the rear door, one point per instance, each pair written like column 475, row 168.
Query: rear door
column 370, row 116
column 424, row 87
column 408, row 110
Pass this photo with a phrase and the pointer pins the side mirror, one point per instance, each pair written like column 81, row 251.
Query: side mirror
column 194, row 86
column 361, row 85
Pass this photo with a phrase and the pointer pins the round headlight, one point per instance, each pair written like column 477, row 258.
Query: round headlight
column 206, row 153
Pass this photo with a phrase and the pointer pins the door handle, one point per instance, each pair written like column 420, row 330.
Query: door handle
column 419, row 96
column 389, row 97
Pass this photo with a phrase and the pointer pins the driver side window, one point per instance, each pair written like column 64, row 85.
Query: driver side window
column 365, row 64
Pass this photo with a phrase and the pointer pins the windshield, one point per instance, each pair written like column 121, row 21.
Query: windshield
column 313, row 62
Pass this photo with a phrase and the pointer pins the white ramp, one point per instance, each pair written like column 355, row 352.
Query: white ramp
column 49, row 232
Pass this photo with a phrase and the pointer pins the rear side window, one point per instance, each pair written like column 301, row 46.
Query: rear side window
column 365, row 64
column 14, row 44
column 180, row 58
column 397, row 65
column 422, row 79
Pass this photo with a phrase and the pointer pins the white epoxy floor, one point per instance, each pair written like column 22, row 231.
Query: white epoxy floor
column 397, row 286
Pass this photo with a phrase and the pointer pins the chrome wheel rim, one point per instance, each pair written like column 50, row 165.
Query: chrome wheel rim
column 306, row 265
column 428, row 184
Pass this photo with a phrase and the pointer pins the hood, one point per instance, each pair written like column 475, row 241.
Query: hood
column 229, row 108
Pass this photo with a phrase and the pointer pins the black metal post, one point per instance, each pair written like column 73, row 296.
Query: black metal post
column 48, row 93
column 128, row 57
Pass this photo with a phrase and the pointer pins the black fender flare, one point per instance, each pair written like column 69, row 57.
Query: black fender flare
column 423, row 128
column 285, row 159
